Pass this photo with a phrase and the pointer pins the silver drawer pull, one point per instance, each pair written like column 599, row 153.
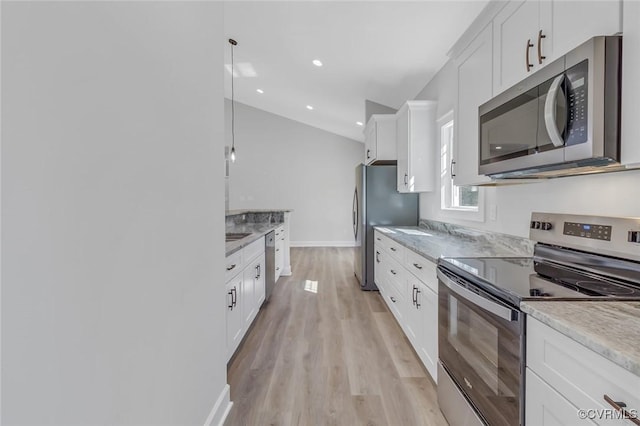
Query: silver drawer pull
column 392, row 299
column 392, row 271
column 231, row 267
column 392, row 249
column 417, row 266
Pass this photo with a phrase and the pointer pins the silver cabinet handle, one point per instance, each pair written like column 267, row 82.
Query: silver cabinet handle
column 392, row 299
column 231, row 267
column 453, row 162
column 392, row 249
column 378, row 257
column 417, row 266
column 406, row 179
column 368, row 152
column 230, row 293
column 417, row 294
column 485, row 304
column 393, row 272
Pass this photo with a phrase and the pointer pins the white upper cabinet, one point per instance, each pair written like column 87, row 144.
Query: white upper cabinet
column 516, row 29
column 474, row 67
column 416, row 146
column 630, row 84
column 532, row 33
column 380, row 138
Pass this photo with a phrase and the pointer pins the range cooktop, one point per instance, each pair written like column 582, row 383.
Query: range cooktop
column 523, row 278
column 575, row 257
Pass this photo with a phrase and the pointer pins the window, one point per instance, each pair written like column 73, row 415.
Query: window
column 463, row 198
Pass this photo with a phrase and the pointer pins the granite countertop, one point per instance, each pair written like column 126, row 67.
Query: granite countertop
column 256, row 230
column 611, row 329
column 433, row 243
column 243, row 211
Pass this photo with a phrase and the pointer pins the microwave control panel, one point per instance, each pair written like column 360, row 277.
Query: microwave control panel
column 576, row 83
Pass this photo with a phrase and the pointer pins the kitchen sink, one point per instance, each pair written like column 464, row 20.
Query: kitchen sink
column 235, row 236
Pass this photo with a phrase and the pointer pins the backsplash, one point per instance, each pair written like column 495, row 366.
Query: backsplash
column 236, row 217
column 518, row 245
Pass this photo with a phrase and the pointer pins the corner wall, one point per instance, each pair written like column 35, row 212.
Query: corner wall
column 112, row 213
column 282, row 163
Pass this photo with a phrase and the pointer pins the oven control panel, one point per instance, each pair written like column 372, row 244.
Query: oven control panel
column 609, row 236
column 587, row 230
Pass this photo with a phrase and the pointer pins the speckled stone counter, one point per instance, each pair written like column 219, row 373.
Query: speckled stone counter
column 611, row 329
column 257, row 223
column 434, row 239
column 256, row 230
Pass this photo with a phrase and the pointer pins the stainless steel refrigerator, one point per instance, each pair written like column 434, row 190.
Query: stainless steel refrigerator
column 376, row 202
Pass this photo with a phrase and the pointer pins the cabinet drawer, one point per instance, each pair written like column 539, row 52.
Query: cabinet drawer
column 395, row 275
column 380, row 240
column 396, row 250
column 233, row 265
column 582, row 376
column 423, row 269
column 253, row 250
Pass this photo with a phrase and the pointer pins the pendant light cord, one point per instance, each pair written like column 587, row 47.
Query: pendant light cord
column 233, row 111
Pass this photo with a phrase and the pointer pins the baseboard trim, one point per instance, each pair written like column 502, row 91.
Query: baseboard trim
column 323, row 244
column 221, row 409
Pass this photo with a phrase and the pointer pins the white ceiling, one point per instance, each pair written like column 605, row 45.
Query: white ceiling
column 384, row 51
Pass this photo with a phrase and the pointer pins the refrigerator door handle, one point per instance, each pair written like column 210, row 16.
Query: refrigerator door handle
column 355, row 213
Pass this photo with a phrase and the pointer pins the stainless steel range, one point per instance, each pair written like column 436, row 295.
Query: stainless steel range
column 481, row 330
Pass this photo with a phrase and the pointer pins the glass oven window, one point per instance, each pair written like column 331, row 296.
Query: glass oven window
column 482, row 353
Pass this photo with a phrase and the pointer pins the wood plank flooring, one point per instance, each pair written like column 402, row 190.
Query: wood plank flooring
column 335, row 357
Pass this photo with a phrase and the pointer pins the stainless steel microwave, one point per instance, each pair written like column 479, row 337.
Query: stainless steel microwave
column 563, row 120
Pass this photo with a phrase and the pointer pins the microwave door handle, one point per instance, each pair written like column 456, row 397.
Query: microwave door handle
column 550, row 111
column 486, row 304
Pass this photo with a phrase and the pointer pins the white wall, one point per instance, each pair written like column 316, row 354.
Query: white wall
column 609, row 194
column 112, row 213
column 283, row 163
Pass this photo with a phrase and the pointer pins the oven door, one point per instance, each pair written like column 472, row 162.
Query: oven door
column 481, row 347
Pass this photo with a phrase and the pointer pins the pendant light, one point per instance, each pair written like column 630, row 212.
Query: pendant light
column 233, row 43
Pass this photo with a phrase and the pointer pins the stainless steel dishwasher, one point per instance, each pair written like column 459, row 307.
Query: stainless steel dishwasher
column 270, row 263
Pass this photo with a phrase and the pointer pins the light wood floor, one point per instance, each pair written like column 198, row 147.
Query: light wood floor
column 335, row 357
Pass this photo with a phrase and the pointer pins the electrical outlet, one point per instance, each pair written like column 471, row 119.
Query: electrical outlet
column 493, row 212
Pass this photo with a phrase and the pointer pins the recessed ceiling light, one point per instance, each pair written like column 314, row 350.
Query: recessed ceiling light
column 309, row 107
column 359, row 123
column 260, row 91
column 317, row 62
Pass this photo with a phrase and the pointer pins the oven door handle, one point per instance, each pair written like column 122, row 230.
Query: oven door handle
column 501, row 311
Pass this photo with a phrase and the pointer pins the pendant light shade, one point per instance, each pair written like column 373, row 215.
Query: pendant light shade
column 233, row 43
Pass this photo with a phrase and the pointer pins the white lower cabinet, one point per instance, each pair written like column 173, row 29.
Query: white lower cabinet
column 245, row 291
column 280, row 248
column 545, row 406
column 564, row 377
column 235, row 325
column 409, row 286
column 253, row 291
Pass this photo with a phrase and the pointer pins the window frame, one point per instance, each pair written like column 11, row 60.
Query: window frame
column 447, row 186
